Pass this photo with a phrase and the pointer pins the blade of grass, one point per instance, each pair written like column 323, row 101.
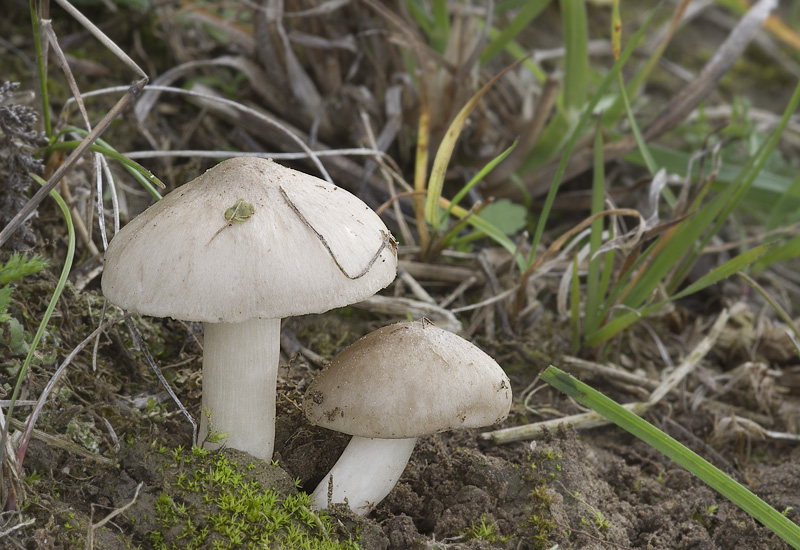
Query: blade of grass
column 782, row 251
column 782, row 313
column 704, row 470
column 752, row 170
column 502, row 39
column 576, row 59
column 768, row 188
column 572, row 99
column 611, row 114
column 732, row 266
column 737, row 192
column 478, row 177
column 594, row 287
column 441, row 26
column 577, row 132
column 144, row 176
column 490, row 230
column 785, row 210
column 445, row 151
column 575, row 307
column 62, row 281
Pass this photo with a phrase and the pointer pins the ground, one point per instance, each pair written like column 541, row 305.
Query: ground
column 110, row 464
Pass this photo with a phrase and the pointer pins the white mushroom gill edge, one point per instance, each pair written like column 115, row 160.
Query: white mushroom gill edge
column 365, row 473
column 240, row 366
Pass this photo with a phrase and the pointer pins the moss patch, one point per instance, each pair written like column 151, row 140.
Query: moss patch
column 227, row 500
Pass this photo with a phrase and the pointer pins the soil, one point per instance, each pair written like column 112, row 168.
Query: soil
column 110, row 461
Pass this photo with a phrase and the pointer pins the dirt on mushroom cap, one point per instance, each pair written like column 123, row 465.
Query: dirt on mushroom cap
column 407, row 380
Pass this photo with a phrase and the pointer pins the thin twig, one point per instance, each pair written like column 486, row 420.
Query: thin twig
column 17, row 526
column 388, row 239
column 140, row 343
column 109, row 517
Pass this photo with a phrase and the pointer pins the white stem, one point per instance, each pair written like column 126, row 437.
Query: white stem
column 365, row 473
column 240, row 372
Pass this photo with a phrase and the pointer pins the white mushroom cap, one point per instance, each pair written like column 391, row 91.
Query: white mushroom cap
column 181, row 259
column 408, row 380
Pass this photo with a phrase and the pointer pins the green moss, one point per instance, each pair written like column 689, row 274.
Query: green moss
column 544, row 468
column 483, row 530
column 214, row 502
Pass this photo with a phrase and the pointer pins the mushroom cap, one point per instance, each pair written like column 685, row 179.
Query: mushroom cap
column 185, row 258
column 407, row 380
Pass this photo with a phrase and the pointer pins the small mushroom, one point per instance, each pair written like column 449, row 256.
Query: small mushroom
column 240, row 247
column 391, row 387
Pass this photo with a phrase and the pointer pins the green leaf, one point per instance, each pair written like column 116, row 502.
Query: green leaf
column 724, row 271
column 505, row 215
column 19, row 266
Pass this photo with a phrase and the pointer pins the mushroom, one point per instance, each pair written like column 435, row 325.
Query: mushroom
column 391, row 387
column 240, row 247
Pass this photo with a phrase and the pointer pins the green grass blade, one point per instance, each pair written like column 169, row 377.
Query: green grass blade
column 735, row 193
column 594, row 288
column 492, row 232
column 445, row 152
column 783, row 251
column 519, row 53
column 441, row 26
column 477, row 178
column 502, row 39
column 704, row 470
column 436, row 25
column 784, row 210
column 577, row 133
column 145, row 177
column 576, row 59
column 732, row 266
column 62, row 281
column 420, row 15
column 575, row 307
column 752, row 170
column 644, row 150
column 768, row 188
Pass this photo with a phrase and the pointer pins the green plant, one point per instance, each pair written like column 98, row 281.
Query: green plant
column 483, row 530
column 631, row 276
column 234, row 510
column 650, row 276
column 777, row 522
column 12, row 333
column 16, row 128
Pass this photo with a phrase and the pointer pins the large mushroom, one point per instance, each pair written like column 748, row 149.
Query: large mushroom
column 240, row 247
column 391, row 387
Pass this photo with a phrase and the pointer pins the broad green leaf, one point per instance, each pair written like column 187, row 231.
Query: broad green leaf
column 506, row 216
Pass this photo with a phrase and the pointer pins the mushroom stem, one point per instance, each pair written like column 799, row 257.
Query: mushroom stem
column 365, row 473
column 240, row 372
